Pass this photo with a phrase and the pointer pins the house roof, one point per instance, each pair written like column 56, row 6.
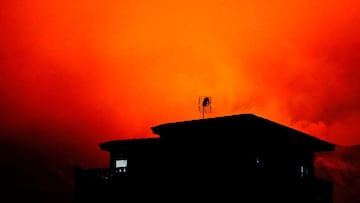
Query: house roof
column 247, row 129
column 127, row 143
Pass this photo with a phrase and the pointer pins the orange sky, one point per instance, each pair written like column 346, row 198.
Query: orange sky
column 76, row 73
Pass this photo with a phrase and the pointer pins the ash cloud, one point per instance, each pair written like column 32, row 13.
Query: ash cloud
column 74, row 74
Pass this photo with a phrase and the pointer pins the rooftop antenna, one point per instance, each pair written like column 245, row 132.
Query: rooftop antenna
column 204, row 104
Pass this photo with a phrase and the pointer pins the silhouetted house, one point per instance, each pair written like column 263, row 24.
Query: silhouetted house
column 231, row 158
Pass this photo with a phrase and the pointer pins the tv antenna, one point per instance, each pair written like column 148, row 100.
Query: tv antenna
column 204, row 104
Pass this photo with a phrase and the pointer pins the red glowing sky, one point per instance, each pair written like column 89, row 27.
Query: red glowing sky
column 76, row 73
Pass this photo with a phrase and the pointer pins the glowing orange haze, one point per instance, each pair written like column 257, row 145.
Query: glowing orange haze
column 76, row 73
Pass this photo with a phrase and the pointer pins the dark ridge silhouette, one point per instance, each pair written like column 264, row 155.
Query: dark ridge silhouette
column 26, row 175
column 342, row 168
column 231, row 158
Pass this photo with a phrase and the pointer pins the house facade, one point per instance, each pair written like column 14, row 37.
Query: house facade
column 228, row 158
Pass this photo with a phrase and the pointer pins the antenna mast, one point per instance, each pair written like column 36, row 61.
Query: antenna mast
column 204, row 104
